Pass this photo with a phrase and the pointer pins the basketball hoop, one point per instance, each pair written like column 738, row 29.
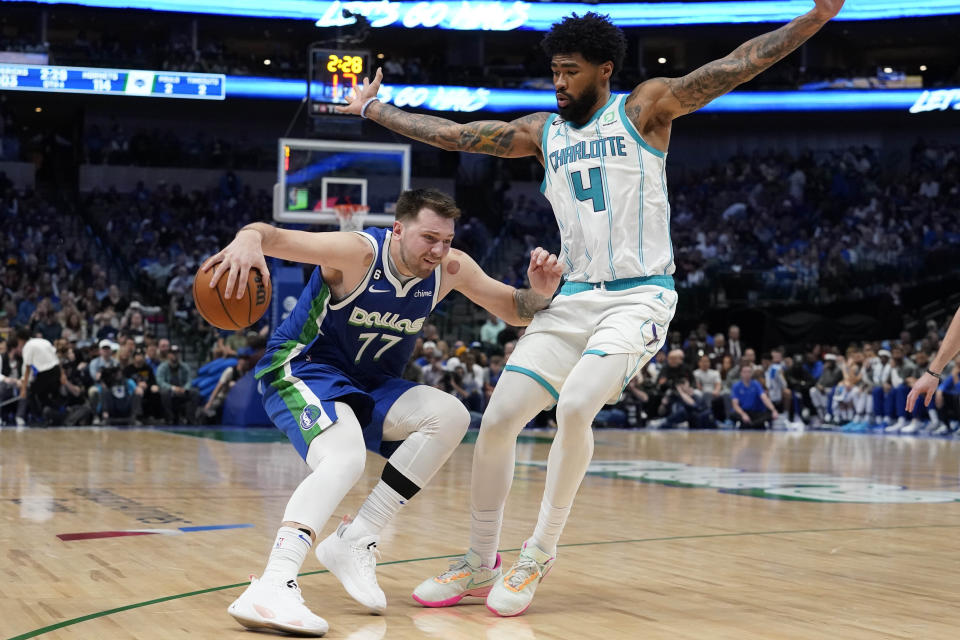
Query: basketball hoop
column 351, row 216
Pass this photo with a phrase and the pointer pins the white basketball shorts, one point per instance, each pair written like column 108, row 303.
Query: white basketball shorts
column 596, row 321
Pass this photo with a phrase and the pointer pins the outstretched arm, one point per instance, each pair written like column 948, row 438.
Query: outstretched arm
column 674, row 97
column 515, row 139
column 515, row 306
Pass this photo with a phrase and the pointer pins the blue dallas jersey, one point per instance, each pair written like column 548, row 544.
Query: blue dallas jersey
column 368, row 336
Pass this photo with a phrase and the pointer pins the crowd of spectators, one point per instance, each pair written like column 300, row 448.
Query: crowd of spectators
column 817, row 227
column 721, row 381
column 114, row 145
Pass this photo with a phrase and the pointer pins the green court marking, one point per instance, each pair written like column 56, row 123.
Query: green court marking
column 146, row 603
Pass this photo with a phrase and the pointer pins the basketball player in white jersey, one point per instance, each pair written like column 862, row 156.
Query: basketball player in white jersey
column 604, row 158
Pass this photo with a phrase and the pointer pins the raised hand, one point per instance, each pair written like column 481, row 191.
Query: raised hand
column 828, row 8
column 356, row 100
column 544, row 272
column 236, row 260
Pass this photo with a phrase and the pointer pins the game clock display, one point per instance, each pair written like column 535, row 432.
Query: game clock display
column 334, row 73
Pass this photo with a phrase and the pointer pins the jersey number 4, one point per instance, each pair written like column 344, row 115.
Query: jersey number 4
column 594, row 192
column 369, row 338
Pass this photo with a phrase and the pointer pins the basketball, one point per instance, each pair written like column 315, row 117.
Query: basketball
column 230, row 313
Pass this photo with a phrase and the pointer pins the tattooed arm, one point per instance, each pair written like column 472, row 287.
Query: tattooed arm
column 515, row 139
column 664, row 99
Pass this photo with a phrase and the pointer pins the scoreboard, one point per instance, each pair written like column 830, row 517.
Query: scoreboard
column 333, row 75
column 125, row 82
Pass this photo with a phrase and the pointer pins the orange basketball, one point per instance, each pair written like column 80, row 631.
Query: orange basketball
column 230, row 313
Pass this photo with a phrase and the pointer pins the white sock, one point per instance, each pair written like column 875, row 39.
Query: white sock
column 549, row 527
column 289, row 551
column 378, row 509
column 934, row 418
column 485, row 534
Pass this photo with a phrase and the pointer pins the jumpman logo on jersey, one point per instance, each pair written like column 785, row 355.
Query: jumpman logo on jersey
column 659, row 297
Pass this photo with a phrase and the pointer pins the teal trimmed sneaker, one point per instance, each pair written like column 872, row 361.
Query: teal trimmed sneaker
column 465, row 577
column 513, row 595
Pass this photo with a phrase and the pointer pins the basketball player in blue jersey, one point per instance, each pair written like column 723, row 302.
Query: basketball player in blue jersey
column 331, row 380
column 604, row 158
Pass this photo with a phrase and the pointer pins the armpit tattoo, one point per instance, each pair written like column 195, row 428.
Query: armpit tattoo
column 528, row 303
column 716, row 78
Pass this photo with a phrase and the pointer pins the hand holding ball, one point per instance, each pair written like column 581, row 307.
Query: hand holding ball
column 234, row 312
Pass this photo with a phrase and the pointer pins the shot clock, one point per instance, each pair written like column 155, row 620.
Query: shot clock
column 333, row 75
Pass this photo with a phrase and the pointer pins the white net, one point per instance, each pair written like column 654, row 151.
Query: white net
column 351, row 216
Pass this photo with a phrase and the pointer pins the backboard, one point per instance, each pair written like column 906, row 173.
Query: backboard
column 315, row 175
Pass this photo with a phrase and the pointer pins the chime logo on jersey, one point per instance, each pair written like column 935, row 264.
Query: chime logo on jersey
column 806, row 487
column 309, row 416
column 386, row 320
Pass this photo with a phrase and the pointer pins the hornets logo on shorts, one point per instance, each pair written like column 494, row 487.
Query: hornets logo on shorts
column 309, row 416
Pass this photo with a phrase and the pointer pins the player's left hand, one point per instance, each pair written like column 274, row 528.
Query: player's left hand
column 827, row 9
column 356, row 99
column 926, row 386
column 544, row 272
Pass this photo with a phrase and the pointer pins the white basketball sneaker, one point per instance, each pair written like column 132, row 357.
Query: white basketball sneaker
column 354, row 563
column 512, row 595
column 465, row 577
column 274, row 605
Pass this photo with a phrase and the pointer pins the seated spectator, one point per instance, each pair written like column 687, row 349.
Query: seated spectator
column 775, row 381
column 821, row 394
column 434, row 372
column 707, row 382
column 119, row 398
column 74, row 326
column 179, row 399
column 107, row 358
column 144, row 377
column 799, row 381
column 636, row 398
column 491, row 377
column 751, row 405
column 75, row 383
column 490, row 331
column 895, row 400
column 683, row 406
column 464, row 385
column 847, row 398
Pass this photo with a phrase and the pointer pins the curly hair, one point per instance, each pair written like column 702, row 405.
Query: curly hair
column 592, row 35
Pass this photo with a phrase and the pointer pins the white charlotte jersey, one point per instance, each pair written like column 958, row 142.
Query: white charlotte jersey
column 608, row 189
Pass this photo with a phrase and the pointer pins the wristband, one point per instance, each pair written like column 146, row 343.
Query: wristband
column 369, row 101
column 938, row 376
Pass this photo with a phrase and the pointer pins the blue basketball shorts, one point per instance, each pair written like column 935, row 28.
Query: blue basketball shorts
column 299, row 399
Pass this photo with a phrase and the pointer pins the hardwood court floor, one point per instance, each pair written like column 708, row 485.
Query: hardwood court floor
column 717, row 535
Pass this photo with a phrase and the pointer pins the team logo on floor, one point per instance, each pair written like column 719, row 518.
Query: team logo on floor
column 309, row 416
column 808, row 487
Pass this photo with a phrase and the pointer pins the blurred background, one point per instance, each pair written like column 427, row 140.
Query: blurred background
column 815, row 210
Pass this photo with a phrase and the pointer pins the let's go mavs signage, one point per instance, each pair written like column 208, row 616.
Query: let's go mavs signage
column 810, row 487
column 937, row 100
column 506, row 15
